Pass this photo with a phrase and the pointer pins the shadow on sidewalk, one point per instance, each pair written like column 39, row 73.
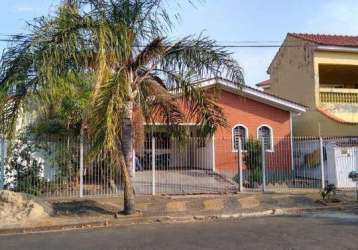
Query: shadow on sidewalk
column 82, row 208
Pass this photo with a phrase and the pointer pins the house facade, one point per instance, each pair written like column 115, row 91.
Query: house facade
column 321, row 72
column 250, row 113
column 201, row 164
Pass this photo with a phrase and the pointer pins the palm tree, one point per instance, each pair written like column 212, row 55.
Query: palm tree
column 137, row 74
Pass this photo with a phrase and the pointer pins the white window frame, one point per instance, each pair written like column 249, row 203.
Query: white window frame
column 232, row 136
column 271, row 139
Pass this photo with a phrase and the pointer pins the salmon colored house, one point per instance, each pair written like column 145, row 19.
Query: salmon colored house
column 249, row 113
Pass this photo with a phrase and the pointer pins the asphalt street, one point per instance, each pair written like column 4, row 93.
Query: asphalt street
column 311, row 232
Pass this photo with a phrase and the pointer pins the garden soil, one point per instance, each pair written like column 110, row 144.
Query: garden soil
column 19, row 208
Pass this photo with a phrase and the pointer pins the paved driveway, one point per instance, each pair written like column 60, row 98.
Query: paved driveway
column 182, row 181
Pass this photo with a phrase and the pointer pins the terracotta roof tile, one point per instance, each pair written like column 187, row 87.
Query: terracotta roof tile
column 330, row 40
column 263, row 83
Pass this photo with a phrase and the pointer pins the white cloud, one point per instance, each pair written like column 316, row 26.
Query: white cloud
column 22, row 9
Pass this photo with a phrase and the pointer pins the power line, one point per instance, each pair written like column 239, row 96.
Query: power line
column 225, row 43
column 219, row 44
column 258, row 45
column 214, row 46
column 223, row 46
column 218, row 41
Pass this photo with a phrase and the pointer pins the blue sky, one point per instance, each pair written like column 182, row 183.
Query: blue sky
column 228, row 21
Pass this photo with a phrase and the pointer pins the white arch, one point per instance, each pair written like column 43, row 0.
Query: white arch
column 271, row 135
column 232, row 134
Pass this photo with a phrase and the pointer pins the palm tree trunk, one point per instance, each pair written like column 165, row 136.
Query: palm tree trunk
column 129, row 201
column 127, row 149
column 127, row 139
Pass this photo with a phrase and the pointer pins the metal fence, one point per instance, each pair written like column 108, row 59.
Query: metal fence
column 60, row 167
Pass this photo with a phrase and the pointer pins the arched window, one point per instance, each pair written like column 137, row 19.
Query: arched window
column 265, row 132
column 239, row 131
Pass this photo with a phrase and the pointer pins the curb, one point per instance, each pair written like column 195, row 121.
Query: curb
column 74, row 226
column 135, row 220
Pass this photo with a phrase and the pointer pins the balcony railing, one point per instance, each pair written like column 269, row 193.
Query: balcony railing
column 340, row 103
column 335, row 95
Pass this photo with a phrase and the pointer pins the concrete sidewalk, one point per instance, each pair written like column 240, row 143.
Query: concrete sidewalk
column 100, row 212
column 195, row 204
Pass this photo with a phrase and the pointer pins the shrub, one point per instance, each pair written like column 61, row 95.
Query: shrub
column 24, row 170
column 252, row 158
column 329, row 193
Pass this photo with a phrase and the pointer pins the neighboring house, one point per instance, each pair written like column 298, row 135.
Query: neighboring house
column 250, row 113
column 321, row 72
column 265, row 85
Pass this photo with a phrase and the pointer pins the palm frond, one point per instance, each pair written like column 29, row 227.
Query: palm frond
column 203, row 58
column 119, row 46
column 159, row 105
column 107, row 108
column 150, row 54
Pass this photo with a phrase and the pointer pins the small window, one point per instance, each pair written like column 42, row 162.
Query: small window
column 239, row 132
column 265, row 132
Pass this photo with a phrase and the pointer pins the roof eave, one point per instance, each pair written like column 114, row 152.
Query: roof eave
column 337, row 48
column 256, row 95
column 275, row 102
column 264, row 86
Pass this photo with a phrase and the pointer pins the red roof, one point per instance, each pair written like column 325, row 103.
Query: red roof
column 330, row 40
column 263, row 83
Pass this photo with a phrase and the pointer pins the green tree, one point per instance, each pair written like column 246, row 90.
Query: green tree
column 137, row 74
column 61, row 109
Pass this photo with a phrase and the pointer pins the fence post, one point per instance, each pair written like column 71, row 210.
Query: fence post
column 240, row 165
column 2, row 163
column 133, row 162
column 263, row 164
column 322, row 162
column 153, row 165
column 81, row 165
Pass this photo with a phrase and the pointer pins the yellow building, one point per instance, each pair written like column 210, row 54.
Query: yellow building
column 321, row 72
